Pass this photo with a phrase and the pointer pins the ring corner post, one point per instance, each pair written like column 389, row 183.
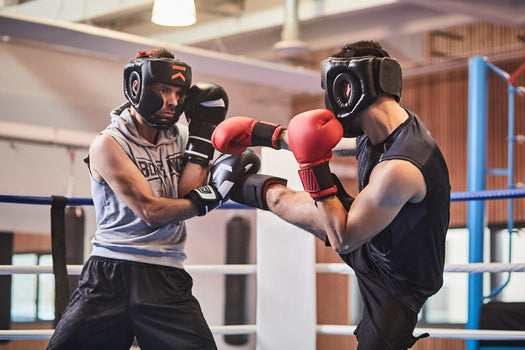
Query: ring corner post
column 477, row 151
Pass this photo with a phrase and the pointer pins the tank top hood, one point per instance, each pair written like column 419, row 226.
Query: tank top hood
column 121, row 119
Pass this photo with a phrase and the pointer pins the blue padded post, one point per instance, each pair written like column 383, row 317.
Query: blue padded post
column 477, row 164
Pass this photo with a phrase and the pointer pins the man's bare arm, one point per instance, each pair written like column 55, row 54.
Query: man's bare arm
column 296, row 208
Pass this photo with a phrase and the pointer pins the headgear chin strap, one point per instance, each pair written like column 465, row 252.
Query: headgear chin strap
column 147, row 70
column 353, row 84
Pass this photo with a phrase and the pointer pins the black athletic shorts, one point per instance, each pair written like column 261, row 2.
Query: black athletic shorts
column 117, row 301
column 387, row 324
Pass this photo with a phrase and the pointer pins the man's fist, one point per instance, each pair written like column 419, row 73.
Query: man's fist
column 250, row 189
column 235, row 134
column 312, row 135
column 229, row 168
column 225, row 172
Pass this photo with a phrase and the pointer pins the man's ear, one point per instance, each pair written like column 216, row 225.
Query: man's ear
column 135, row 86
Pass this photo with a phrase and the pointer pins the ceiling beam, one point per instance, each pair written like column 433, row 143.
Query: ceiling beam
column 18, row 132
column 78, row 10
column 99, row 41
column 398, row 22
column 271, row 17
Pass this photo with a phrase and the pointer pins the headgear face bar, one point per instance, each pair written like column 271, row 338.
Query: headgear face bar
column 353, row 84
column 147, row 70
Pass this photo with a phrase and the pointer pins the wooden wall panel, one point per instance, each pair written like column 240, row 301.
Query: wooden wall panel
column 464, row 41
column 498, row 142
column 441, row 101
column 439, row 344
column 31, row 243
column 332, row 301
column 27, row 344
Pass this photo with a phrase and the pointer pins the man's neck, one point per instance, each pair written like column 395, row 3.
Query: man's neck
column 145, row 130
column 382, row 119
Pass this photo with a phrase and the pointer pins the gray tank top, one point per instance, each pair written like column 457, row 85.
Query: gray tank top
column 121, row 234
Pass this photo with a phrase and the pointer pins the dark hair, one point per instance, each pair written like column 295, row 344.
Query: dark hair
column 362, row 48
column 156, row 53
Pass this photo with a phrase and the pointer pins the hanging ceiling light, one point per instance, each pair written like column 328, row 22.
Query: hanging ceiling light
column 290, row 43
column 174, row 12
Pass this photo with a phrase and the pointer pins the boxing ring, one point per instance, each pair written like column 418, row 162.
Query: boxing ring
column 245, row 269
column 234, row 269
column 278, row 308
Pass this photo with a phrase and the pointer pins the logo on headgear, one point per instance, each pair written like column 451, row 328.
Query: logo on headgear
column 353, row 84
column 179, row 74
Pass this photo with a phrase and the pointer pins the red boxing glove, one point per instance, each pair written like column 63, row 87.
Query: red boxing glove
column 235, row 134
column 312, row 135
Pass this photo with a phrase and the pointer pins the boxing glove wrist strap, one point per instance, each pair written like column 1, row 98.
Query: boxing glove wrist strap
column 199, row 150
column 264, row 134
column 205, row 198
column 251, row 189
column 317, row 180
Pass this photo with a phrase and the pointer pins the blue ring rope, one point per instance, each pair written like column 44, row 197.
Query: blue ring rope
column 488, row 194
column 454, row 197
column 83, row 201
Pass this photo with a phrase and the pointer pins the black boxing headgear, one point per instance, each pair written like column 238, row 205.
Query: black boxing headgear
column 147, row 70
column 352, row 84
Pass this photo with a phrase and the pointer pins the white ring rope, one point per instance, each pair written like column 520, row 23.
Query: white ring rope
column 453, row 333
column 25, row 334
column 240, row 269
column 480, row 334
column 20, row 334
column 234, row 330
column 245, row 269
column 230, row 269
column 470, row 268
column 480, row 267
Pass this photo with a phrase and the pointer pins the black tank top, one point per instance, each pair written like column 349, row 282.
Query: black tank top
column 407, row 257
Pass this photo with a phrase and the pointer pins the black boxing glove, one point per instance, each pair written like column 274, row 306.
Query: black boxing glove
column 225, row 172
column 206, row 107
column 251, row 189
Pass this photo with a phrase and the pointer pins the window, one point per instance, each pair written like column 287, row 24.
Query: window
column 32, row 296
column 450, row 305
column 503, row 244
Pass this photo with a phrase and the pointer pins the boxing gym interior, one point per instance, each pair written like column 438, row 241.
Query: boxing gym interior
column 262, row 283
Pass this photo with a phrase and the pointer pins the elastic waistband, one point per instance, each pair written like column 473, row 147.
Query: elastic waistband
column 168, row 261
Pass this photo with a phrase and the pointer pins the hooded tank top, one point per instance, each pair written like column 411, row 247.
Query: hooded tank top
column 121, row 234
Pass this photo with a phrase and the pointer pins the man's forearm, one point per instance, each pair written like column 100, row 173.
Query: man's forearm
column 296, row 208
